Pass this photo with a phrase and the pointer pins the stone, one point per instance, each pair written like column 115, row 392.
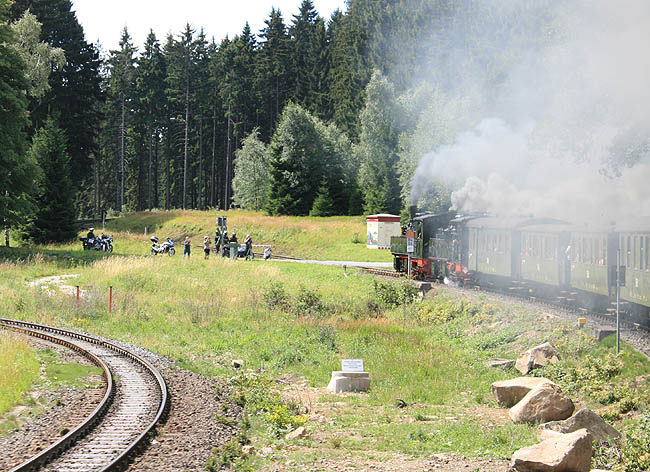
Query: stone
column 349, row 382
column 299, row 432
column 266, row 451
column 237, row 363
column 539, row 356
column 247, row 450
column 567, row 453
column 509, row 392
column 500, row 363
column 587, row 419
column 544, row 403
column 602, row 333
column 545, row 434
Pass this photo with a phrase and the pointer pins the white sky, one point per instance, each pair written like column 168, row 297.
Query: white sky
column 103, row 20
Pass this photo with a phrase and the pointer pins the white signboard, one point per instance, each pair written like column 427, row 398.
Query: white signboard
column 410, row 244
column 352, row 365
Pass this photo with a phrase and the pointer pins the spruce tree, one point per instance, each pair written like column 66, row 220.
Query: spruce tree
column 323, row 203
column 55, row 218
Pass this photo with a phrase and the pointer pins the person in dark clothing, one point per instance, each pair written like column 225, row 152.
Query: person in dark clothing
column 233, row 238
column 91, row 234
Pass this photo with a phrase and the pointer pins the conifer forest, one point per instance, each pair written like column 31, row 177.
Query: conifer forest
column 361, row 112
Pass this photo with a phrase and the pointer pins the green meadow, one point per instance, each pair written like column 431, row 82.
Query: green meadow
column 297, row 321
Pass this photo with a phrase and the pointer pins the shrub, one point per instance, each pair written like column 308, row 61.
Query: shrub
column 635, row 454
column 275, row 297
column 394, row 294
column 308, row 303
column 225, row 456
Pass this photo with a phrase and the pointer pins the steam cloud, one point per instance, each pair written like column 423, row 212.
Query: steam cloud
column 568, row 134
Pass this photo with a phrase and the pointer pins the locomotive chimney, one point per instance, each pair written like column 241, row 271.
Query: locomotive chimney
column 413, row 211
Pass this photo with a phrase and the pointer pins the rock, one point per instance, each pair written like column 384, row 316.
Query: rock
column 299, row 432
column 500, row 363
column 266, row 451
column 545, row 434
column 567, row 453
column 509, row 392
column 247, row 450
column 539, row 356
column 544, row 403
column 602, row 333
column 585, row 418
column 237, row 363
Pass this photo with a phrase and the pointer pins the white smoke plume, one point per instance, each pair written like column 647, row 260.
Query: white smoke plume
column 569, row 134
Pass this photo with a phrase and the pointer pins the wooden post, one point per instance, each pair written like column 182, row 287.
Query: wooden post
column 110, row 299
column 77, row 295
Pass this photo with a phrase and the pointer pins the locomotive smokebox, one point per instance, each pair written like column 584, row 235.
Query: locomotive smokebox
column 412, row 211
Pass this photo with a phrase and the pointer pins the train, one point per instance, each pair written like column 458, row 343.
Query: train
column 544, row 258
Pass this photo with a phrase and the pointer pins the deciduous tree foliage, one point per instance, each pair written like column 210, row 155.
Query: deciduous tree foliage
column 18, row 172
column 75, row 95
column 377, row 148
column 251, row 180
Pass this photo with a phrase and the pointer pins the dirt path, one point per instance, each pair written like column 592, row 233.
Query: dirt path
column 56, row 281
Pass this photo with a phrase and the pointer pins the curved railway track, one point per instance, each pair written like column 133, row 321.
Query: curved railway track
column 135, row 401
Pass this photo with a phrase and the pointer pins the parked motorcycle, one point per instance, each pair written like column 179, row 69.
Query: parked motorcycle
column 106, row 242
column 101, row 243
column 167, row 247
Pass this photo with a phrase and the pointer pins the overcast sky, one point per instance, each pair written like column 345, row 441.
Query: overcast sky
column 103, row 20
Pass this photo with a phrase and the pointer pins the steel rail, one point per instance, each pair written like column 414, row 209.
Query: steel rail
column 64, row 443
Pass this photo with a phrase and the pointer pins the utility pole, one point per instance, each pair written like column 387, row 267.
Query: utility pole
column 618, row 300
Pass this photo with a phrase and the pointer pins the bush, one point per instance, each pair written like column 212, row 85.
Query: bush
column 225, row 456
column 393, row 294
column 308, row 303
column 635, row 454
column 275, row 297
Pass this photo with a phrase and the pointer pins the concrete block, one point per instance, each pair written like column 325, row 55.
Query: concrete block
column 602, row 333
column 349, row 382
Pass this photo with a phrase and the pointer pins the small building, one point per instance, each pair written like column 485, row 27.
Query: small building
column 380, row 228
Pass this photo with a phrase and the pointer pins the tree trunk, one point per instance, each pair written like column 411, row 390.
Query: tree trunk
column 7, row 235
column 186, row 146
column 213, row 187
column 200, row 193
column 122, row 151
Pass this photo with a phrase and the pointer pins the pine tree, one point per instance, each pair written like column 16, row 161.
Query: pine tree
column 150, row 85
column 323, row 203
column 55, row 218
column 18, row 173
column 122, row 92
column 308, row 35
column 275, row 74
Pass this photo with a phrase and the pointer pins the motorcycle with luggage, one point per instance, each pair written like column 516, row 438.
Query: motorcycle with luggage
column 166, row 247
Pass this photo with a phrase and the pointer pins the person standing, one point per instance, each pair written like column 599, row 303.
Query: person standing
column 186, row 250
column 206, row 246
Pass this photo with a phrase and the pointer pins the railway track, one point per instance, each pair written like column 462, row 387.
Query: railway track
column 135, row 401
column 381, row 272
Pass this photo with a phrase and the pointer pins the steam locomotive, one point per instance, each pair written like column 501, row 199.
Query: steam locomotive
column 539, row 257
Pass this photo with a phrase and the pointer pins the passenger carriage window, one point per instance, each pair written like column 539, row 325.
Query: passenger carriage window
column 604, row 261
column 642, row 251
column 647, row 251
column 597, row 251
column 635, row 252
column 628, row 251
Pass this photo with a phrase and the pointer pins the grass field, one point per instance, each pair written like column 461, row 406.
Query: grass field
column 297, row 321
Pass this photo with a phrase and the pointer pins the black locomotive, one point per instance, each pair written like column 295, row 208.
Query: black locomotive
column 538, row 257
